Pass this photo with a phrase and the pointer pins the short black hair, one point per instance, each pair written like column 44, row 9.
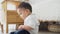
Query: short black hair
column 25, row 5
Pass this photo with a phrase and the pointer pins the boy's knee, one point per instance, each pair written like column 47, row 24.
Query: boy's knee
column 12, row 32
column 19, row 32
column 22, row 32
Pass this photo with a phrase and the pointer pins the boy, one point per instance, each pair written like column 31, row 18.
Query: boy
column 31, row 23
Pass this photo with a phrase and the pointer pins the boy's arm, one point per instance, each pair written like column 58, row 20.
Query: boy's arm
column 25, row 27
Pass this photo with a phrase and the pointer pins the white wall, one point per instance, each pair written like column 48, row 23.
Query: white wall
column 46, row 9
column 1, row 15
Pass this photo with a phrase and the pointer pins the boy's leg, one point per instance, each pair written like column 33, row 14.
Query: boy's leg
column 21, row 32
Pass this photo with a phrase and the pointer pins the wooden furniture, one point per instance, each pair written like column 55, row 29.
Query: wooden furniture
column 11, row 16
column 1, row 27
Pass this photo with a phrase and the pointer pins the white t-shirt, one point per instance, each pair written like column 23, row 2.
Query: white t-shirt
column 33, row 22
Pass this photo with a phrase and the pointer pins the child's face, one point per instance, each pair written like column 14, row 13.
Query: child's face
column 22, row 12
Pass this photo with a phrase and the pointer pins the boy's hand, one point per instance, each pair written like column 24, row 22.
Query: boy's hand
column 20, row 27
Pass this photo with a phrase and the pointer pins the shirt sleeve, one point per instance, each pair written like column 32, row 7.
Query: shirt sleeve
column 30, row 22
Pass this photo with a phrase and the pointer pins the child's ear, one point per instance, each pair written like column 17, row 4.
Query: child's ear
column 27, row 11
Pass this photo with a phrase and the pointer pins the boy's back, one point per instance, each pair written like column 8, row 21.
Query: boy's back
column 32, row 22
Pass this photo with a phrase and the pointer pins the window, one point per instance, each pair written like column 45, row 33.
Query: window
column 11, row 6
